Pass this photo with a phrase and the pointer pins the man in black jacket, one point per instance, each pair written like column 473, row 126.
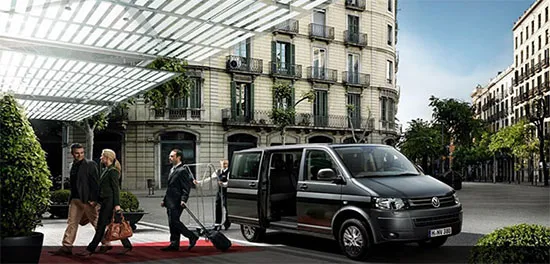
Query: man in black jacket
column 180, row 183
column 221, row 195
column 84, row 194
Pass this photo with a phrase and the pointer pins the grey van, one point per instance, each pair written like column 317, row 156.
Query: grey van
column 357, row 194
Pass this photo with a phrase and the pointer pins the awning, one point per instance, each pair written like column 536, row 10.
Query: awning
column 83, row 56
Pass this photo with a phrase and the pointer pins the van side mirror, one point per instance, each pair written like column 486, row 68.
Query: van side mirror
column 326, row 174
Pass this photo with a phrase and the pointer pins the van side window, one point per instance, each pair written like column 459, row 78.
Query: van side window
column 315, row 161
column 246, row 166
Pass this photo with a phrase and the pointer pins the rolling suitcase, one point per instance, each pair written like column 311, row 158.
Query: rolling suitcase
column 218, row 239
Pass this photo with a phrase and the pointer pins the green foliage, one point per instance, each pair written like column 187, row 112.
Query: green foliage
column 282, row 117
column 516, row 140
column 60, row 196
column 25, row 184
column 282, row 90
column 521, row 243
column 422, row 142
column 129, row 202
column 457, row 119
column 178, row 87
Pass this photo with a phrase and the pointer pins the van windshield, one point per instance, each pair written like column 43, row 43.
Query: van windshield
column 375, row 161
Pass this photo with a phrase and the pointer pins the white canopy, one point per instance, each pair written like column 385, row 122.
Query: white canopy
column 81, row 56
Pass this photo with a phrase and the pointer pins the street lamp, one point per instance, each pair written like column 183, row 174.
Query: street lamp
column 538, row 111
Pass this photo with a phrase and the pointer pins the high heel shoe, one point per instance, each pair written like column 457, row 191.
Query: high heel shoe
column 104, row 249
column 125, row 250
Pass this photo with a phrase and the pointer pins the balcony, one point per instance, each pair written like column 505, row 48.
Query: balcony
column 290, row 27
column 545, row 87
column 389, row 126
column 355, row 39
column 286, row 70
column 321, row 32
column 194, row 114
column 532, row 71
column 359, row 5
column 538, row 67
column 316, row 74
column 545, row 62
column 356, row 79
column 244, row 65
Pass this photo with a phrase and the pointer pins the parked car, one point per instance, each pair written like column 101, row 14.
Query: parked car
column 357, row 194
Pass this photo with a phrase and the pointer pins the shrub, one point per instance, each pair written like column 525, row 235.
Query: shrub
column 61, row 196
column 129, row 202
column 514, row 244
column 25, row 184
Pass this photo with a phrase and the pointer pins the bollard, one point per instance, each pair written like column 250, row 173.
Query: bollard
column 151, row 186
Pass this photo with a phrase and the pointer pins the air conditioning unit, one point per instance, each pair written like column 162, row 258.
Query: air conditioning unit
column 234, row 63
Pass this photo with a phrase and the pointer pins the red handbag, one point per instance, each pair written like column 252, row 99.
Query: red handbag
column 118, row 231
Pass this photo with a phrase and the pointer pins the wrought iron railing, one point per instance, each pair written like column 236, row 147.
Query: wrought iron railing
column 244, row 64
column 263, row 118
column 538, row 66
column 359, row 5
column 355, row 38
column 290, row 26
column 545, row 62
column 180, row 113
column 355, row 78
column 286, row 70
column 322, row 74
column 321, row 31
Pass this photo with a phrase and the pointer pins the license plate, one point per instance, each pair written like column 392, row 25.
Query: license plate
column 441, row 232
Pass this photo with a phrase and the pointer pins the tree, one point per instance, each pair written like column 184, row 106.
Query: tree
column 24, row 174
column 457, row 120
column 421, row 143
column 283, row 112
column 363, row 137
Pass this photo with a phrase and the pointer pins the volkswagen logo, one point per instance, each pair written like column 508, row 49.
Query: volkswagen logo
column 435, row 202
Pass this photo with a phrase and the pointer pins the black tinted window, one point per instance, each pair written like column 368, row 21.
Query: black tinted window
column 375, row 161
column 245, row 166
column 315, row 161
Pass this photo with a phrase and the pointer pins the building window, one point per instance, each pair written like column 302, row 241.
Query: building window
column 546, row 37
column 192, row 101
column 516, row 60
column 516, row 42
column 283, row 56
column 540, row 42
column 526, row 33
column 353, row 28
column 539, row 20
column 353, row 68
column 242, row 49
column 390, row 5
column 390, row 35
column 532, row 47
column 320, row 108
column 527, row 52
column 546, row 14
column 389, row 72
column 319, row 63
column 243, row 102
column 532, row 27
column 354, row 100
column 387, row 111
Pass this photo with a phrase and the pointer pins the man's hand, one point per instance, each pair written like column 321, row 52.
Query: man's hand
column 182, row 204
column 195, row 182
column 162, row 204
column 220, row 183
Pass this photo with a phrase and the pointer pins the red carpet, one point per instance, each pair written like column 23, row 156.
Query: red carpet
column 142, row 252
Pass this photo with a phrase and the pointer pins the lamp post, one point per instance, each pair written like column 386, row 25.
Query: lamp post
column 536, row 116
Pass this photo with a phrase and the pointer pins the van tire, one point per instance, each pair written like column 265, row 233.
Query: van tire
column 252, row 233
column 355, row 242
column 433, row 243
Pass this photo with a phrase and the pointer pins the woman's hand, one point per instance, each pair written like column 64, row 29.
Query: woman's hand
column 117, row 208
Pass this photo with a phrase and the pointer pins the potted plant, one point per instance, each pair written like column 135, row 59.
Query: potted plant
column 24, row 185
column 60, row 203
column 130, row 205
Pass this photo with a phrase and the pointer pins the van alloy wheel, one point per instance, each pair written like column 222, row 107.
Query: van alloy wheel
column 354, row 239
column 252, row 233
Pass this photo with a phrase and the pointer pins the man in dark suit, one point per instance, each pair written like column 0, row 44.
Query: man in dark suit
column 221, row 196
column 180, row 183
column 84, row 195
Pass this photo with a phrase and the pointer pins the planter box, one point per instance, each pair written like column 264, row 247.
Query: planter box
column 133, row 218
column 59, row 210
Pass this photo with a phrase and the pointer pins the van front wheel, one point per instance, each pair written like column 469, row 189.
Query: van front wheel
column 354, row 239
column 252, row 233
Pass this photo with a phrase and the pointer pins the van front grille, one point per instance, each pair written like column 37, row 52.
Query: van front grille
column 437, row 220
column 426, row 202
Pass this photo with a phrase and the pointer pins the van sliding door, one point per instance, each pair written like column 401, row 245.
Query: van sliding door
column 243, row 197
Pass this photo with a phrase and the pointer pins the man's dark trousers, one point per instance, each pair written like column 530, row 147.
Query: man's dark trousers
column 221, row 200
column 177, row 228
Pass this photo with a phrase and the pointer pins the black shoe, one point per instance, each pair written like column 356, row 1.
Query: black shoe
column 227, row 225
column 104, row 249
column 125, row 250
column 192, row 243
column 62, row 252
column 170, row 248
column 84, row 253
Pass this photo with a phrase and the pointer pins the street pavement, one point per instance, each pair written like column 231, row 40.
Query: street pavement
column 487, row 206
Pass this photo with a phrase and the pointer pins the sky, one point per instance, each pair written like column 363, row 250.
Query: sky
column 447, row 47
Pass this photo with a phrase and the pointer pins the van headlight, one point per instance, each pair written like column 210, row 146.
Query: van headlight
column 389, row 203
column 457, row 201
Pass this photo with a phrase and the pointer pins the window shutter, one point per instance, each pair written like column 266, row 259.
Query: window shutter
column 293, row 62
column 251, row 101
column 233, row 101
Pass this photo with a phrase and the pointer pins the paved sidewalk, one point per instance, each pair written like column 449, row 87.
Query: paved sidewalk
column 147, row 240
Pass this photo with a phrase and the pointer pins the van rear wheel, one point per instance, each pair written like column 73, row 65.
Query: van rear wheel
column 433, row 243
column 252, row 233
column 354, row 239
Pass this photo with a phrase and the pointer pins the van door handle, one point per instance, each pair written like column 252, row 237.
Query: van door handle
column 252, row 184
column 303, row 186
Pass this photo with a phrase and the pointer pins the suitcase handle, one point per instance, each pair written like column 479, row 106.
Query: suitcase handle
column 193, row 216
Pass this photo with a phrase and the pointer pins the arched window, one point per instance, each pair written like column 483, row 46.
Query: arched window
column 320, row 139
